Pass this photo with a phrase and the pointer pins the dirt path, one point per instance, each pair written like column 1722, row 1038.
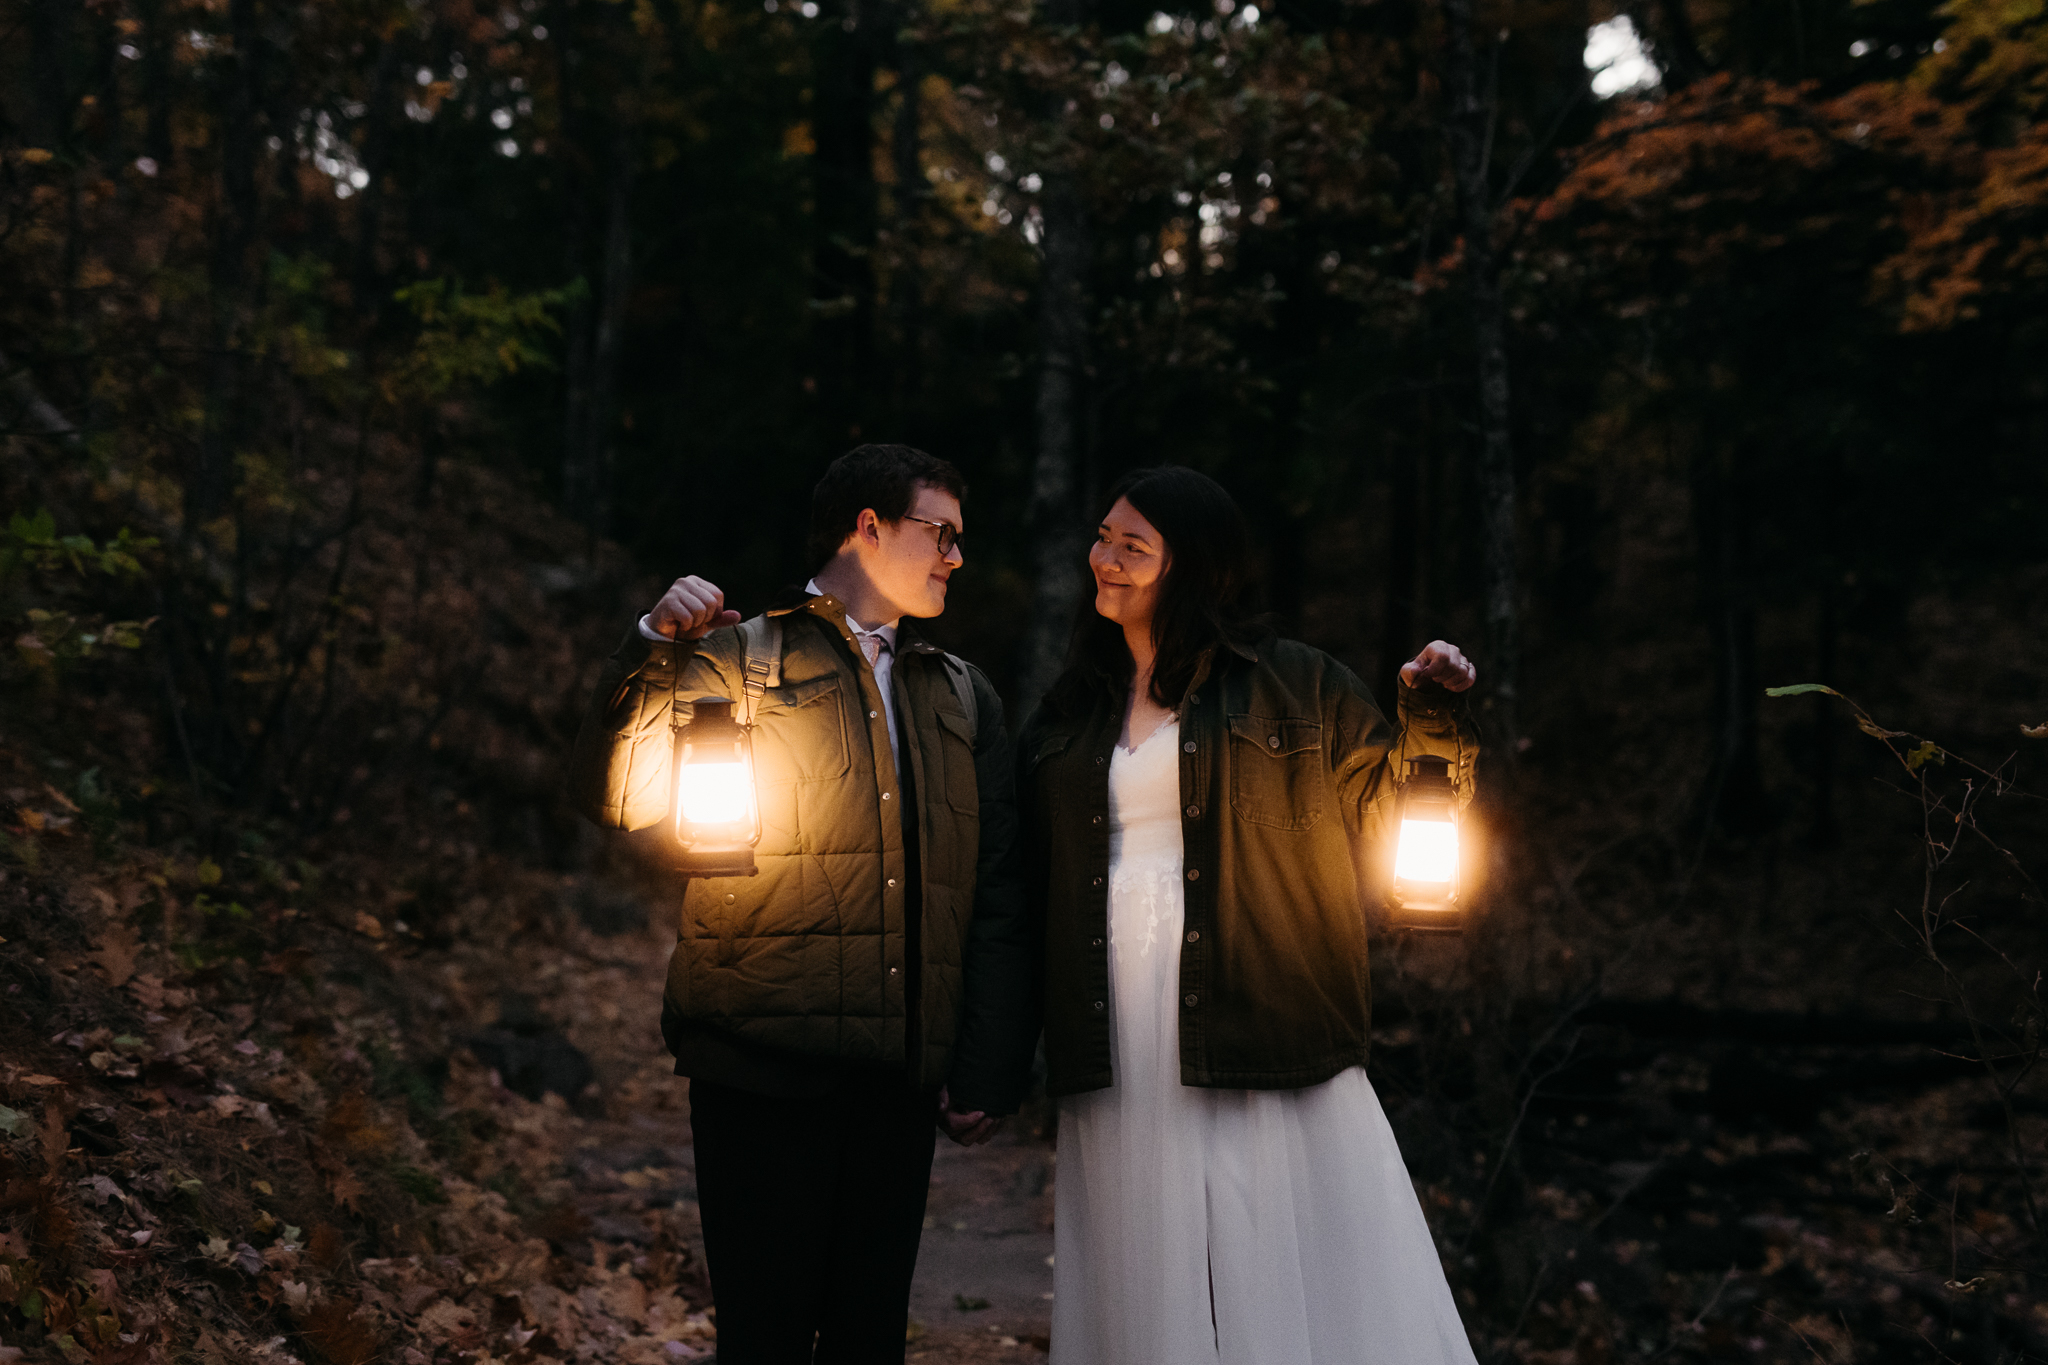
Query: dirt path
column 983, row 1291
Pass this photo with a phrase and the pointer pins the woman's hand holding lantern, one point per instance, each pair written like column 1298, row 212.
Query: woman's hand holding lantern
column 1442, row 663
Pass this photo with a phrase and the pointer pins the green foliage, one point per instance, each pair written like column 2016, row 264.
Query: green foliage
column 32, row 542
column 472, row 340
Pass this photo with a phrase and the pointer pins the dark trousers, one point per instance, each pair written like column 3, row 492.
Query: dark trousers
column 812, row 1212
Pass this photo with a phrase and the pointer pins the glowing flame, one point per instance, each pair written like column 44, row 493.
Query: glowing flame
column 1428, row 851
column 713, row 793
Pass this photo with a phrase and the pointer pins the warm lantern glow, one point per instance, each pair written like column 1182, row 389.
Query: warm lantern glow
column 1425, row 890
column 1428, row 851
column 712, row 792
column 715, row 817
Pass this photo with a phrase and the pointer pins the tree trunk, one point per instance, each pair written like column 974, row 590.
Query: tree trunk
column 1734, row 796
column 577, row 191
column 1058, row 538
column 158, row 36
column 1404, row 523
column 50, row 25
column 1825, row 833
column 843, row 168
column 234, row 230
column 606, row 344
column 376, row 151
column 1469, row 130
column 913, row 192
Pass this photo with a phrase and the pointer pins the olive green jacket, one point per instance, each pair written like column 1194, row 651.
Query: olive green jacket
column 808, row 959
column 1288, row 785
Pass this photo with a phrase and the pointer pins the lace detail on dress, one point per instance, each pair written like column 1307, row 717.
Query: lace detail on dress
column 1145, row 845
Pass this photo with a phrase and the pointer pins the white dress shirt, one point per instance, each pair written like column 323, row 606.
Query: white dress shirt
column 877, row 647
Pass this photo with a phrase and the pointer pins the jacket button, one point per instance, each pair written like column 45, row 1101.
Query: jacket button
column 1194, row 935
column 1101, row 759
column 1272, row 741
column 1193, row 811
column 1188, row 747
column 892, row 881
column 1194, row 699
column 1096, row 882
column 1194, row 874
column 1098, row 1007
column 873, row 714
column 885, row 796
column 1190, row 999
column 1097, row 943
column 893, row 970
column 730, row 898
column 1096, row 821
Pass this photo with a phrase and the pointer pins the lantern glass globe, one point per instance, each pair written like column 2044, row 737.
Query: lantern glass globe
column 1428, row 851
column 713, row 793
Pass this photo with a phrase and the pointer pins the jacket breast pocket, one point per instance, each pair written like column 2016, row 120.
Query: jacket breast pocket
column 956, row 741
column 800, row 733
column 1277, row 774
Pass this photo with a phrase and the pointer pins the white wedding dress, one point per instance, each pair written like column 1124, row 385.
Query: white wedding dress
column 1239, row 1227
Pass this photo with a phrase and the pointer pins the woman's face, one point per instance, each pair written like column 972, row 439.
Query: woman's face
column 1129, row 561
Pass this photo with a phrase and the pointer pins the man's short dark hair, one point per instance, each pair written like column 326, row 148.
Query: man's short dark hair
column 885, row 478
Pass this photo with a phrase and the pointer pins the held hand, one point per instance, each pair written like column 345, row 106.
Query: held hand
column 691, row 609
column 969, row 1130
column 1441, row 663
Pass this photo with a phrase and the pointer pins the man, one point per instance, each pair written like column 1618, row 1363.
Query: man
column 877, row 972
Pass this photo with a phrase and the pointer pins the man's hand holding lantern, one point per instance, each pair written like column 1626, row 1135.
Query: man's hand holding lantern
column 691, row 609
column 1442, row 663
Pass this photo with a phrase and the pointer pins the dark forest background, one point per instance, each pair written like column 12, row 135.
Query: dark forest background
column 366, row 367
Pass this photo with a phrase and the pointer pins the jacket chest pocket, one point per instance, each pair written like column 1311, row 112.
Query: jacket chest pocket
column 956, row 745
column 1276, row 771
column 800, row 734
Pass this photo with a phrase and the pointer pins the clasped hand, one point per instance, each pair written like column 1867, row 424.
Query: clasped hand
column 969, row 1130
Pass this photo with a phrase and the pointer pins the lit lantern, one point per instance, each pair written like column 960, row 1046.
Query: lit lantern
column 712, row 810
column 1425, row 893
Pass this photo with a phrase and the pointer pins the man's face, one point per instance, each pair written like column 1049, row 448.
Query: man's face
column 905, row 565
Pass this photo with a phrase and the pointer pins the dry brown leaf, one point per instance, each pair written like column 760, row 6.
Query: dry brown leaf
column 114, row 951
column 353, row 1122
column 337, row 1337
column 55, row 1138
column 148, row 992
column 2035, row 731
column 345, row 1188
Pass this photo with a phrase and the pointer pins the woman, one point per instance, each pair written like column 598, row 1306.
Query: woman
column 1195, row 793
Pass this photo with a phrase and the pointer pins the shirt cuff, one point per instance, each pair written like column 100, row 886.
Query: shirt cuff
column 648, row 632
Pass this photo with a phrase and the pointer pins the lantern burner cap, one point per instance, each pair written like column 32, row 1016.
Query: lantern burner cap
column 1430, row 774
column 711, row 716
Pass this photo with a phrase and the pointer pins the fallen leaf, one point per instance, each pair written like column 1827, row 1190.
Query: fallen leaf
column 115, row 951
column 337, row 1334
column 2035, row 731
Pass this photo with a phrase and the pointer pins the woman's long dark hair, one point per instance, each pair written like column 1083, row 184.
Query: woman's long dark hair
column 1207, row 599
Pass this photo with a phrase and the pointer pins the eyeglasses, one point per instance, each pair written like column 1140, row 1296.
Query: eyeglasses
column 948, row 536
